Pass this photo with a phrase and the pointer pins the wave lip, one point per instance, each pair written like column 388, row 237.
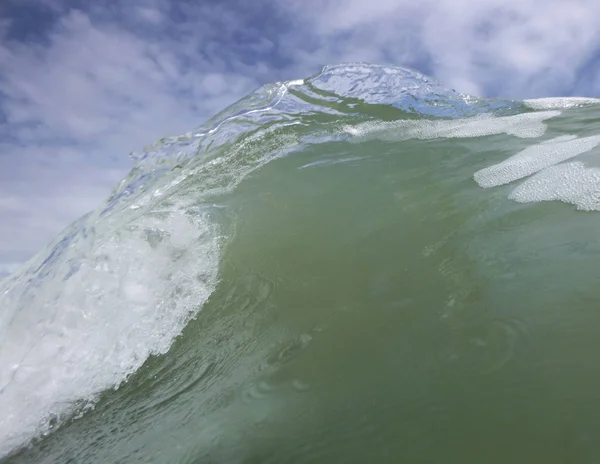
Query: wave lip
column 337, row 90
column 401, row 88
column 340, row 91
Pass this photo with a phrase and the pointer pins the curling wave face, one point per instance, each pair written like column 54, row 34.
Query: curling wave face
column 303, row 223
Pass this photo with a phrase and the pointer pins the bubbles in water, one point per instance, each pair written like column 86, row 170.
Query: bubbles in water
column 534, row 159
column 527, row 125
column 483, row 348
column 291, row 349
column 572, row 183
column 559, row 102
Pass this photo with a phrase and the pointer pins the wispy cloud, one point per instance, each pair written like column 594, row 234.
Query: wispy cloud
column 88, row 84
column 513, row 48
column 75, row 104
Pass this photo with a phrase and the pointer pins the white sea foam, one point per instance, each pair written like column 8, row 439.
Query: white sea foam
column 81, row 319
column 527, row 125
column 570, row 182
column 534, row 159
column 103, row 308
column 559, row 102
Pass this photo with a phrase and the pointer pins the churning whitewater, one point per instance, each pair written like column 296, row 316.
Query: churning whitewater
column 344, row 268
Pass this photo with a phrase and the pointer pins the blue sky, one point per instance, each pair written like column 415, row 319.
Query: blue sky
column 82, row 85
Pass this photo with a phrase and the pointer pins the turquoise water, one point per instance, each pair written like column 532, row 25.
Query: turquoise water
column 362, row 266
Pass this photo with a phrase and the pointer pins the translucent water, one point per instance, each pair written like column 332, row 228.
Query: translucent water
column 360, row 266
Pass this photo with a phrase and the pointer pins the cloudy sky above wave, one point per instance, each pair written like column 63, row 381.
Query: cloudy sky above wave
column 82, row 85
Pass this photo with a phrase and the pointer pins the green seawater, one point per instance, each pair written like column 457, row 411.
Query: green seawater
column 373, row 304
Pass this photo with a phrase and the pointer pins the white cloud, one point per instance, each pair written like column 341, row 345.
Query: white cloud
column 152, row 15
column 73, row 110
column 107, row 81
column 515, row 48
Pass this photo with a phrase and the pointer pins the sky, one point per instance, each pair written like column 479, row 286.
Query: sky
column 85, row 83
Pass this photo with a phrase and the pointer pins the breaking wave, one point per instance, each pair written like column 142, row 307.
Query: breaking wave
column 107, row 299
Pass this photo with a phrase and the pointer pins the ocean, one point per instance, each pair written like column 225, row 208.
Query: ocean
column 359, row 266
